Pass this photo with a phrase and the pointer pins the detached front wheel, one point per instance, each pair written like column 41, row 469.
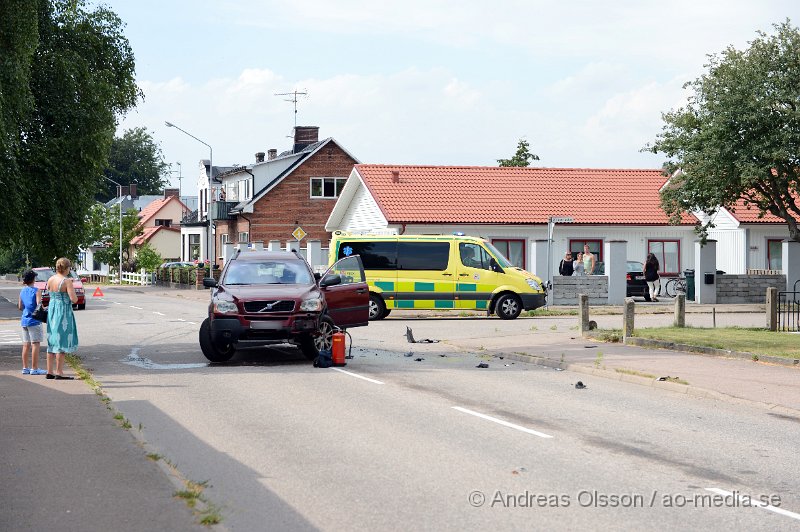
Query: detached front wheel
column 210, row 350
column 311, row 345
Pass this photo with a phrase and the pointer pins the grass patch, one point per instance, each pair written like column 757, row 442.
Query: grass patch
column 757, row 341
column 155, row 457
column 634, row 372
column 550, row 312
column 608, row 335
column 674, row 379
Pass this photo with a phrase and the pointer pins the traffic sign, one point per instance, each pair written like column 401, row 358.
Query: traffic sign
column 561, row 219
column 97, row 292
column 299, row 234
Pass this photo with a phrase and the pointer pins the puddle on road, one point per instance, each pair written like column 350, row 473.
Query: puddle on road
column 140, row 362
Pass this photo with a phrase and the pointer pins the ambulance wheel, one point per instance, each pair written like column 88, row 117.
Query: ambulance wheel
column 377, row 308
column 508, row 306
column 311, row 345
column 211, row 351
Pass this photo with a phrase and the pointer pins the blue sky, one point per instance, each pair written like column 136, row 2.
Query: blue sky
column 426, row 81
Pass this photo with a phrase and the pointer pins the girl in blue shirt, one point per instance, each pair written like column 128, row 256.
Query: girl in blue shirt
column 29, row 298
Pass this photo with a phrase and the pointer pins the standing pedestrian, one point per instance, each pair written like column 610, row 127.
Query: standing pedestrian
column 29, row 299
column 62, row 333
column 577, row 265
column 589, row 260
column 651, row 268
column 565, row 266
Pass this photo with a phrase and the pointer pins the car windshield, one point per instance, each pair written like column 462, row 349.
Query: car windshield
column 267, row 272
column 45, row 273
column 635, row 267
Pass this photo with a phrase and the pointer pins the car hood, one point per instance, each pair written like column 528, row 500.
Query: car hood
column 271, row 291
column 42, row 285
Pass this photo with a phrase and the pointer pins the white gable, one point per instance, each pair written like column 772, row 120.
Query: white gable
column 356, row 210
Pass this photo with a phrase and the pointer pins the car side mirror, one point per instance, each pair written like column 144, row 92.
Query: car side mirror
column 317, row 276
column 209, row 282
column 495, row 266
column 330, row 280
column 84, row 280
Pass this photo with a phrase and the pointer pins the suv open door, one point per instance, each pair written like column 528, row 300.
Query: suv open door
column 346, row 292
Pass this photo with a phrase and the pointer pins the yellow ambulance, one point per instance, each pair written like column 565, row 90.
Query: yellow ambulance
column 439, row 272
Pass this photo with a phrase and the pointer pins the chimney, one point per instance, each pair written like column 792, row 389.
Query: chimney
column 272, row 153
column 395, row 176
column 305, row 136
column 169, row 192
column 260, row 157
column 133, row 193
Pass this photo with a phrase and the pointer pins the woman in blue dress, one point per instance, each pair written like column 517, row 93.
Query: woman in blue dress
column 62, row 333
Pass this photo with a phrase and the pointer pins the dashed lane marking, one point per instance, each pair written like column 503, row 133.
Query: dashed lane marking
column 501, row 422
column 137, row 308
column 10, row 338
column 748, row 501
column 356, row 375
column 159, row 313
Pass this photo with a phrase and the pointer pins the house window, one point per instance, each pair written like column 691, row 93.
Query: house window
column 243, row 190
column 163, row 222
column 668, row 253
column 244, row 237
column 327, row 187
column 774, row 254
column 595, row 246
column 194, row 247
column 512, row 249
column 223, row 239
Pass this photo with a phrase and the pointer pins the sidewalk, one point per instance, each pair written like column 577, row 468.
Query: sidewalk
column 66, row 465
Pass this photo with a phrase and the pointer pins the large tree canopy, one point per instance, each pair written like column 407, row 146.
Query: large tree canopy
column 739, row 135
column 135, row 158
column 523, row 157
column 71, row 75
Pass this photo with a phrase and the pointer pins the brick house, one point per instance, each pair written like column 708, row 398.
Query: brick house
column 271, row 198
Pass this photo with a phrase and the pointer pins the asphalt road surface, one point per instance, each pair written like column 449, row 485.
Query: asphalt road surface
column 395, row 443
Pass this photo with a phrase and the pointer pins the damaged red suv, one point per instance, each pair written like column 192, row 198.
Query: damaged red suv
column 273, row 297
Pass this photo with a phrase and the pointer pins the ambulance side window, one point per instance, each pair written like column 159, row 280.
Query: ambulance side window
column 374, row 255
column 474, row 256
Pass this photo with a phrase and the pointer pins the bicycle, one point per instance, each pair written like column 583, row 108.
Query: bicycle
column 675, row 286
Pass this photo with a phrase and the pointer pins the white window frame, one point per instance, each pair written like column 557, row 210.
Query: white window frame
column 223, row 238
column 322, row 180
column 245, row 238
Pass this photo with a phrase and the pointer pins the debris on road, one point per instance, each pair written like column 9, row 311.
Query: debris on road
column 409, row 354
column 482, row 365
column 411, row 340
column 420, row 359
column 580, row 386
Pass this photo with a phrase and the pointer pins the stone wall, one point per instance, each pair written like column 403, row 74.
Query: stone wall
column 746, row 288
column 566, row 289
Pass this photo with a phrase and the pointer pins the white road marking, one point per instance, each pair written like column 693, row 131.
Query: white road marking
column 191, row 323
column 137, row 308
column 10, row 338
column 748, row 501
column 180, row 319
column 357, row 376
column 159, row 313
column 501, row 422
column 117, row 303
column 135, row 360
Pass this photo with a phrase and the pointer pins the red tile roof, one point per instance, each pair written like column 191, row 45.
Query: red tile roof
column 510, row 195
column 749, row 215
column 154, row 206
column 149, row 232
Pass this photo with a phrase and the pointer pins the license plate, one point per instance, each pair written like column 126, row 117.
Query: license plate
column 269, row 325
column 639, row 277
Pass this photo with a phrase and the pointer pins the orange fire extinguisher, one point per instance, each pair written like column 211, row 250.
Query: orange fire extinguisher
column 337, row 349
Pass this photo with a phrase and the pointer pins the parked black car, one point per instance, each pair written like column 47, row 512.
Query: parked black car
column 637, row 286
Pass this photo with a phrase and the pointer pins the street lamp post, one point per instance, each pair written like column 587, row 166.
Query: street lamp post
column 210, row 178
column 119, row 195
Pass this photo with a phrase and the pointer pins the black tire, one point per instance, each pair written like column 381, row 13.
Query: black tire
column 669, row 288
column 210, row 351
column 82, row 307
column 387, row 312
column 377, row 308
column 310, row 345
column 646, row 295
column 508, row 306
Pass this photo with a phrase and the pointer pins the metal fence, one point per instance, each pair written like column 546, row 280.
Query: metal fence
column 789, row 311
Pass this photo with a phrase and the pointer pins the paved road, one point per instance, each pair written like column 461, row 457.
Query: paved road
column 395, row 443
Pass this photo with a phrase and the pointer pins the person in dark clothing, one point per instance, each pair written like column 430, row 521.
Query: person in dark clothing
column 651, row 268
column 565, row 266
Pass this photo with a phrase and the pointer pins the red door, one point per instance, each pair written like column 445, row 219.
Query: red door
column 347, row 299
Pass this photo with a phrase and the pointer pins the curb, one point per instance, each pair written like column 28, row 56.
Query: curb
column 711, row 351
column 687, row 389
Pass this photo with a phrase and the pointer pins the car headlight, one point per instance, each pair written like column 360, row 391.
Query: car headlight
column 533, row 284
column 225, row 307
column 311, row 305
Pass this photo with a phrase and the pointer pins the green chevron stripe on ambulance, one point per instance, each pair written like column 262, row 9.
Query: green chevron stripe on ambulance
column 439, row 272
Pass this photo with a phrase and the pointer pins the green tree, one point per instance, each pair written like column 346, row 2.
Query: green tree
column 148, row 258
column 523, row 157
column 67, row 73
column 135, row 158
column 739, row 135
column 102, row 229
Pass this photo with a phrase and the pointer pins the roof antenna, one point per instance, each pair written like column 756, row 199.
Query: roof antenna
column 294, row 94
